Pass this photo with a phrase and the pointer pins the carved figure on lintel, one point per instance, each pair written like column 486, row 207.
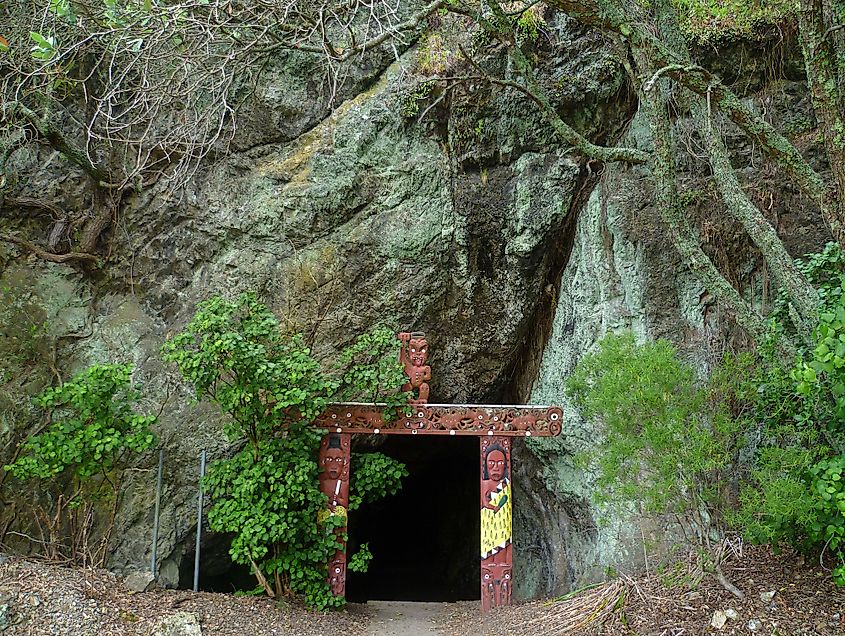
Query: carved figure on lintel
column 414, row 355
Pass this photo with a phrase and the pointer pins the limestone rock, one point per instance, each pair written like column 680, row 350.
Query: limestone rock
column 142, row 581
column 179, row 624
column 767, row 597
column 718, row 620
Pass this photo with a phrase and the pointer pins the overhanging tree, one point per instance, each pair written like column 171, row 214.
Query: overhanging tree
column 130, row 92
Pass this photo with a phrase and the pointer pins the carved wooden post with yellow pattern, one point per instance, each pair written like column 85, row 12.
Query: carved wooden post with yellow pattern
column 496, row 522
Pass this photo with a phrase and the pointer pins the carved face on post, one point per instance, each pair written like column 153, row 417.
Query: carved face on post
column 418, row 351
column 333, row 463
column 496, row 585
column 333, row 459
column 496, row 464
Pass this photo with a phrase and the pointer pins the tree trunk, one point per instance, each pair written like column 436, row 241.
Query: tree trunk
column 668, row 205
column 103, row 207
column 821, row 62
column 628, row 22
column 765, row 237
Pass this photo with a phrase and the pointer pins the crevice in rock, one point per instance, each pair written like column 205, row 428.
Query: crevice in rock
column 537, row 329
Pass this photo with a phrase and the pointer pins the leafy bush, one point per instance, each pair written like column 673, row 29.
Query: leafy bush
column 374, row 476
column 668, row 441
column 793, row 493
column 271, row 389
column 93, row 429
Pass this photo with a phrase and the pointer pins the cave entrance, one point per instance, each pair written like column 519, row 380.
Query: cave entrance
column 419, row 544
column 425, row 539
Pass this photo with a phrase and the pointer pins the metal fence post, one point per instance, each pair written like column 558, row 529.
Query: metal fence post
column 157, row 511
column 199, row 526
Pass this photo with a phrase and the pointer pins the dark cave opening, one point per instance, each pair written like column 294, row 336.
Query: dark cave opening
column 218, row 573
column 425, row 539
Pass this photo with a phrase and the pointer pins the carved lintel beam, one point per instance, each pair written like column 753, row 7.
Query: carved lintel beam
column 444, row 419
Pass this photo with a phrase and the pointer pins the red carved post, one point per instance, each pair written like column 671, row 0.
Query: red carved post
column 334, row 483
column 414, row 355
column 496, row 522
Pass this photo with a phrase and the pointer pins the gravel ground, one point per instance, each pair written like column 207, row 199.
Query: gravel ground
column 46, row 600
column 783, row 597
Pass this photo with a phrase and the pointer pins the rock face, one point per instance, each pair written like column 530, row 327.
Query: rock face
column 623, row 274
column 476, row 227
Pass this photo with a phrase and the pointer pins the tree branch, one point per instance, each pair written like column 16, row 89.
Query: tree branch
column 609, row 16
column 667, row 202
column 36, row 204
column 533, row 90
column 757, row 226
column 820, row 64
column 57, row 139
column 407, row 25
column 48, row 256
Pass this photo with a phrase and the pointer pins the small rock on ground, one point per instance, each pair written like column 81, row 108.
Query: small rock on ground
column 139, row 581
column 179, row 624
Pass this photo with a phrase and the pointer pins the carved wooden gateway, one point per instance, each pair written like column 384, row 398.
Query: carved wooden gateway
column 496, row 426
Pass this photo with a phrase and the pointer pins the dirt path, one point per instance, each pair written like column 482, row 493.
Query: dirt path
column 399, row 618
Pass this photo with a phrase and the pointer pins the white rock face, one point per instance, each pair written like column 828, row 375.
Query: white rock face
column 621, row 276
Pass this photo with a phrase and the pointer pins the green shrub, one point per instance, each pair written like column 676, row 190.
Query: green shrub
column 374, row 476
column 772, row 432
column 81, row 455
column 271, row 389
column 792, row 494
column 667, row 442
column 828, row 527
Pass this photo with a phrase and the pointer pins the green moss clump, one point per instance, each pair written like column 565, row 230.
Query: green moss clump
column 708, row 21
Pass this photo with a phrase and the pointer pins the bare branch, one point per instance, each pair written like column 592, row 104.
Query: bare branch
column 647, row 86
column 28, row 202
column 60, row 142
column 48, row 256
column 532, row 89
